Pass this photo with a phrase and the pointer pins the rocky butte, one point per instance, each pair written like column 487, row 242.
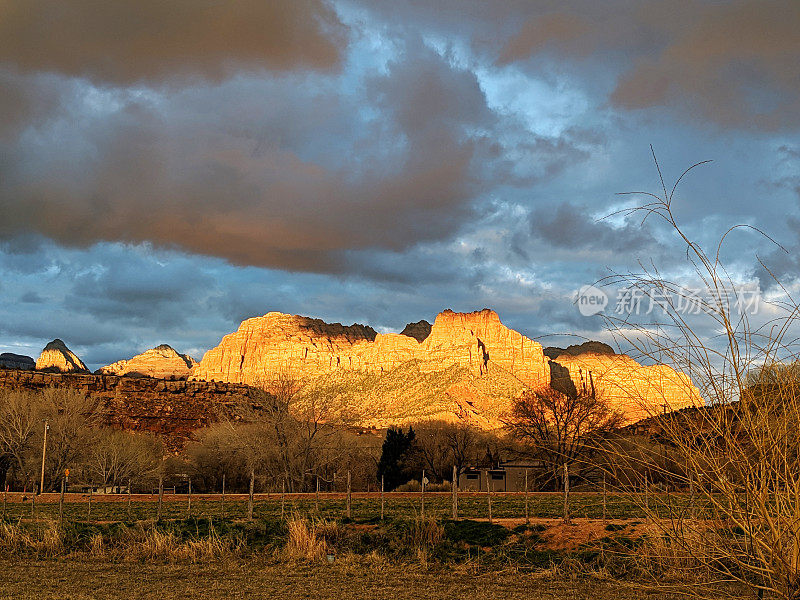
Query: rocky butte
column 466, row 366
column 56, row 357
column 161, row 362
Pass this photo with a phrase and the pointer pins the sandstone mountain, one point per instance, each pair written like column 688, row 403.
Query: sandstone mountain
column 58, row 358
column 162, row 362
column 468, row 366
column 639, row 391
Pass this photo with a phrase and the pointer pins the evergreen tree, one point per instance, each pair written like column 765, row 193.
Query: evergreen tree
column 397, row 448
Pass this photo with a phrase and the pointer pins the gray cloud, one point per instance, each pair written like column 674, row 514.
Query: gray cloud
column 127, row 42
column 235, row 170
column 569, row 226
column 734, row 63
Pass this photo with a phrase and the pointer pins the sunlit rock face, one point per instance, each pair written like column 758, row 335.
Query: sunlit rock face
column 466, row 366
column 279, row 343
column 638, row 391
column 162, row 362
column 172, row 410
column 57, row 357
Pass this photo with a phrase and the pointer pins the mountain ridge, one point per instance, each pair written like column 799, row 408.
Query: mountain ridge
column 476, row 344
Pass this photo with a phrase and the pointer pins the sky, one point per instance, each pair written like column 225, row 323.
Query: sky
column 168, row 169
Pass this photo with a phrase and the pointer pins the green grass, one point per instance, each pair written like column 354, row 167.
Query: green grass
column 473, row 506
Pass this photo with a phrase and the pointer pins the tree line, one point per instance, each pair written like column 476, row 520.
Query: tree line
column 288, row 438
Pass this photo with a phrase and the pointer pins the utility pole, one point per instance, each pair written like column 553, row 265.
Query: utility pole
column 44, row 452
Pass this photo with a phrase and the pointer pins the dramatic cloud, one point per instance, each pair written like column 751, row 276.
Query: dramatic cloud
column 736, row 63
column 235, row 170
column 169, row 169
column 119, row 41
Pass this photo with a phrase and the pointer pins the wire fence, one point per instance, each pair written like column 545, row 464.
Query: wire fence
column 355, row 505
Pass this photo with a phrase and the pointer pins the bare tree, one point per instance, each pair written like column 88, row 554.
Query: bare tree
column 119, row 456
column 443, row 445
column 562, row 429
column 70, row 415
column 20, row 416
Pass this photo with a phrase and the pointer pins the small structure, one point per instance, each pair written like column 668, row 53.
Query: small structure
column 508, row 476
column 104, row 489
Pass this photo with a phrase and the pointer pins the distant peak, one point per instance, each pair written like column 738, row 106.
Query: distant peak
column 419, row 330
column 590, row 347
column 57, row 357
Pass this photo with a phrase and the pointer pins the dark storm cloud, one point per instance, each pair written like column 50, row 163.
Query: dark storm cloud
column 737, row 64
column 122, row 42
column 733, row 63
column 569, row 226
column 31, row 298
column 235, row 171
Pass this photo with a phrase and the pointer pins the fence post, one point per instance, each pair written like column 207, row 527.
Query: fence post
column 223, row 496
column 316, row 497
column 566, row 494
column 5, row 493
column 382, row 497
column 283, row 498
column 692, row 509
column 160, row 495
column 61, row 505
column 89, row 507
column 454, row 485
column 189, row 499
column 250, row 496
column 605, row 514
column 422, row 494
column 348, row 494
column 527, row 515
column 646, row 493
column 130, row 516
column 489, row 495
column 33, row 500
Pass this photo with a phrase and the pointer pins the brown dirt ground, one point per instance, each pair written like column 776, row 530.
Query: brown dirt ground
column 98, row 580
column 560, row 536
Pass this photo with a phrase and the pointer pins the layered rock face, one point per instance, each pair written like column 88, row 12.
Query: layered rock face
column 57, row 357
column 9, row 360
column 162, row 362
column 173, row 410
column 467, row 366
column 638, row 391
column 277, row 343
